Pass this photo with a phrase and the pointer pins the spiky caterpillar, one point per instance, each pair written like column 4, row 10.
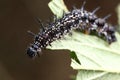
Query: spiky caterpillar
column 81, row 19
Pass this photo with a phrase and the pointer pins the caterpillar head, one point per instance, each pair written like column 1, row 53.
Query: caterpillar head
column 111, row 33
column 33, row 51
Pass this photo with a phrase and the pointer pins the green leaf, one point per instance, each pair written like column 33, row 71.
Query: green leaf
column 92, row 52
column 96, row 75
column 118, row 14
column 57, row 7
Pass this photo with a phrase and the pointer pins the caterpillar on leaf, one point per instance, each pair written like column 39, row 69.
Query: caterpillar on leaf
column 81, row 19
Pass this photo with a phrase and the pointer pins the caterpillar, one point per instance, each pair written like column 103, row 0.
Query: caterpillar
column 80, row 19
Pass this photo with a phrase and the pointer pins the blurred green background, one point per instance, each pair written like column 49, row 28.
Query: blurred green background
column 16, row 18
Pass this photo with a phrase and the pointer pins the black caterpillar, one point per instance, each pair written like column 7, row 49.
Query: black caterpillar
column 81, row 19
